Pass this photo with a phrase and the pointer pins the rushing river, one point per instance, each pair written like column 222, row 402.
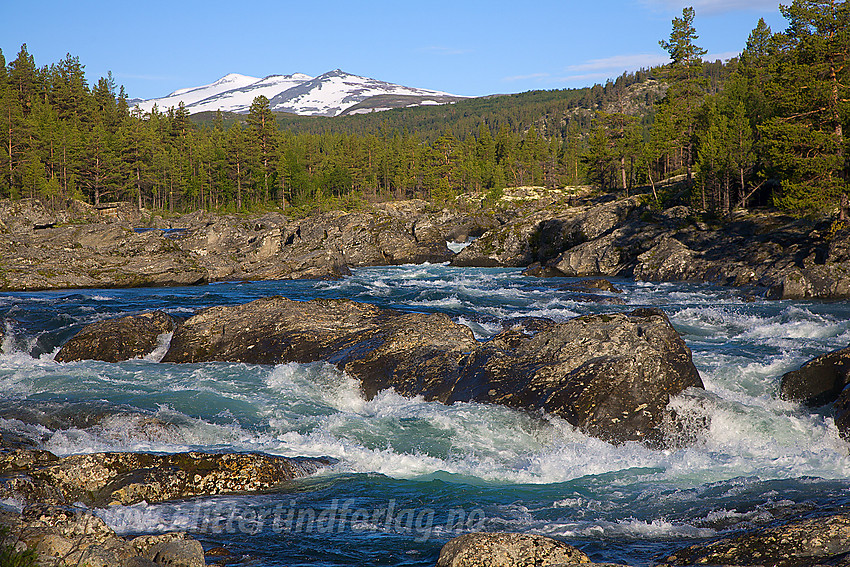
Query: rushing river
column 413, row 474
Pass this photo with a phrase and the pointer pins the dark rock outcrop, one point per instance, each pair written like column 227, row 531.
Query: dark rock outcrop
column 66, row 535
column 819, row 381
column 781, row 257
column 508, row 550
column 806, row 543
column 117, row 339
column 610, row 375
column 413, row 352
column 545, row 232
column 100, row 479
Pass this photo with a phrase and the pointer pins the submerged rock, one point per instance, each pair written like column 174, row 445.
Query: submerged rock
column 117, row 339
column 507, row 550
column 610, row 375
column 806, row 543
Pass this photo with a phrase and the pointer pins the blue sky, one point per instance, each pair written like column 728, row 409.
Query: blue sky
column 463, row 47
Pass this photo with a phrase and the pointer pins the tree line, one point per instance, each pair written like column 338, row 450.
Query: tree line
column 766, row 127
column 773, row 131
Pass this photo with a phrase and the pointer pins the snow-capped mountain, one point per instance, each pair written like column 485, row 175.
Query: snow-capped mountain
column 330, row 94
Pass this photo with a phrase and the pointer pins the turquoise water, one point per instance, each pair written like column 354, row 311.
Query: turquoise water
column 412, row 474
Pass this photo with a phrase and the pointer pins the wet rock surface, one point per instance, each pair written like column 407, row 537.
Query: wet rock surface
column 805, row 543
column 821, row 381
column 508, row 550
column 68, row 535
column 117, row 339
column 100, row 479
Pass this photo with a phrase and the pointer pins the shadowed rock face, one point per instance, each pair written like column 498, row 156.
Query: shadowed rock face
column 819, row 381
column 823, row 380
column 610, row 375
column 117, row 339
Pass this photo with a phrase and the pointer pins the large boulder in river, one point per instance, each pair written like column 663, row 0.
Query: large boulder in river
column 114, row 340
column 610, row 375
column 819, row 381
column 507, row 550
column 415, row 353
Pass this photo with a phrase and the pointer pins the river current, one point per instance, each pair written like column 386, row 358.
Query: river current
column 410, row 474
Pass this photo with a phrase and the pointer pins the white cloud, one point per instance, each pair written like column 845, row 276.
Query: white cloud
column 443, row 50
column 725, row 56
column 621, row 63
column 714, row 6
column 527, row 77
column 600, row 70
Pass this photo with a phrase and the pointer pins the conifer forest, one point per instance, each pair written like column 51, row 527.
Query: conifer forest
column 766, row 128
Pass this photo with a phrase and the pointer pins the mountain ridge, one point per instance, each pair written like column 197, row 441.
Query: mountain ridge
column 330, row 94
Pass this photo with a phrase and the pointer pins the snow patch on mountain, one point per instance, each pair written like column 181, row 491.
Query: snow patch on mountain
column 329, row 94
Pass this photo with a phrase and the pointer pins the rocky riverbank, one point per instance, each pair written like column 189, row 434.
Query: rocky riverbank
column 81, row 247
column 553, row 235
column 58, row 494
column 766, row 253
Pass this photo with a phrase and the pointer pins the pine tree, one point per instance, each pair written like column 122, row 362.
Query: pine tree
column 262, row 134
column 69, row 92
column 688, row 84
column 810, row 94
column 24, row 80
column 237, row 160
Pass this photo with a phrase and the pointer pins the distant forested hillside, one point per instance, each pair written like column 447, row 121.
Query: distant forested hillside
column 767, row 127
